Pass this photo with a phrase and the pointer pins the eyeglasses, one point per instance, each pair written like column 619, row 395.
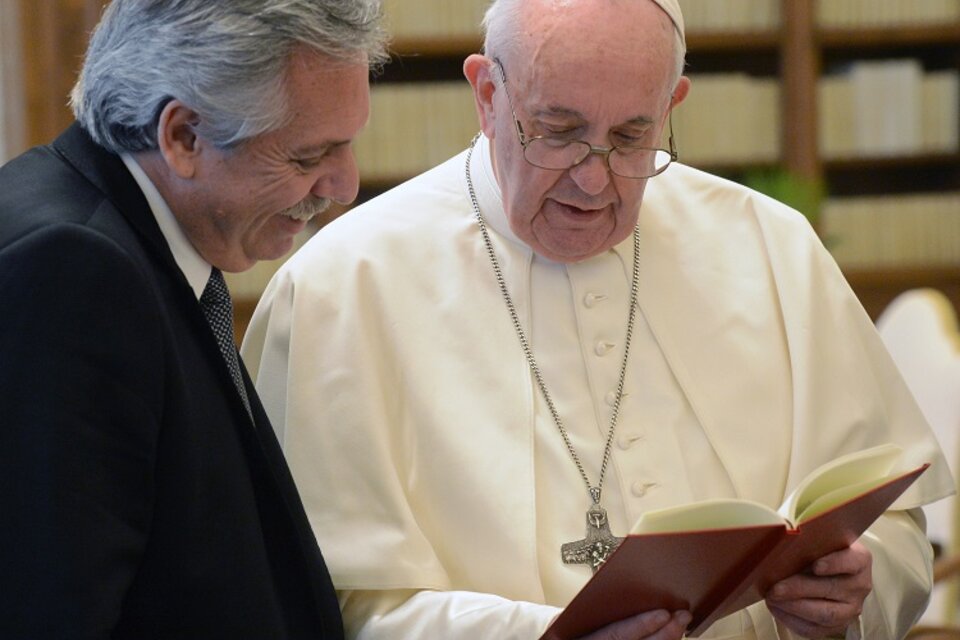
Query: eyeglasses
column 626, row 161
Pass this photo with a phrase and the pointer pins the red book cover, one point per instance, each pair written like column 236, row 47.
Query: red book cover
column 715, row 572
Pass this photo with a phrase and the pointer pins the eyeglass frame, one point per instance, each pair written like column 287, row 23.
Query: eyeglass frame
column 594, row 149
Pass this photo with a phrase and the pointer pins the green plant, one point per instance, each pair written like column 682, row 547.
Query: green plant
column 803, row 194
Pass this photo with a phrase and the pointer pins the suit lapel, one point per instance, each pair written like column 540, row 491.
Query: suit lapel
column 108, row 173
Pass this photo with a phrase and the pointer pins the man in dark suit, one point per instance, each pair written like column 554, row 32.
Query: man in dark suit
column 142, row 490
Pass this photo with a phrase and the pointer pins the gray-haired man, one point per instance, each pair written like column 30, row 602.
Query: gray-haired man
column 142, row 489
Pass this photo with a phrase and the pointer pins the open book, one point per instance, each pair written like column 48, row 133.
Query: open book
column 718, row 556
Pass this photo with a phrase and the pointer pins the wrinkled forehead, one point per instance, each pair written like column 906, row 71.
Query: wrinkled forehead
column 610, row 47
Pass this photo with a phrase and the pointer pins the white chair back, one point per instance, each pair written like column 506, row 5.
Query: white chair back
column 921, row 332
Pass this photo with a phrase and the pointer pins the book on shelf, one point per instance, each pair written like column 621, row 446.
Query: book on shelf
column 907, row 230
column 888, row 108
column 887, row 100
column 426, row 19
column 729, row 16
column 716, row 557
column 413, row 127
column 860, row 14
column 748, row 130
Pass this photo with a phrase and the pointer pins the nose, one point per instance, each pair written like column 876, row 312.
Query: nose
column 592, row 175
column 342, row 182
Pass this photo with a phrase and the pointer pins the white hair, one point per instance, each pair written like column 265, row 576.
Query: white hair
column 226, row 59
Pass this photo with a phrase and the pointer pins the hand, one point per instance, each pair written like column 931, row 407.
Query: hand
column 826, row 600
column 651, row 625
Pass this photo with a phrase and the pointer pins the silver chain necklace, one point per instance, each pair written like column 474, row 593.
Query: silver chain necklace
column 599, row 542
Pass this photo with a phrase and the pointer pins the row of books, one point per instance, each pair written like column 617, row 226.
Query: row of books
column 886, row 13
column 727, row 118
column 412, row 19
column 416, row 126
column 705, row 16
column 893, row 231
column 413, row 127
column 431, row 19
column 875, row 109
column 892, row 107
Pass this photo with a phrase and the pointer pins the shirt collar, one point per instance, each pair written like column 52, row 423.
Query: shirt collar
column 191, row 263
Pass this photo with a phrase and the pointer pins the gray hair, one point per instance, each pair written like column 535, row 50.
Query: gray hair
column 225, row 59
column 504, row 17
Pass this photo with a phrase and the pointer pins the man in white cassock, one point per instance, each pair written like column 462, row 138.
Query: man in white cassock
column 560, row 320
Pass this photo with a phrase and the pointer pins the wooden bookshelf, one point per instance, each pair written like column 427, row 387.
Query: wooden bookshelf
column 876, row 288
column 797, row 54
column 55, row 34
column 886, row 38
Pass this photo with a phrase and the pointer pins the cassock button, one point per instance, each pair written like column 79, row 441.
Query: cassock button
column 640, row 488
column 627, row 440
column 591, row 299
column 603, row 348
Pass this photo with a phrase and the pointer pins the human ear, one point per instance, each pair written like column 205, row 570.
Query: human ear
column 680, row 91
column 177, row 138
column 477, row 69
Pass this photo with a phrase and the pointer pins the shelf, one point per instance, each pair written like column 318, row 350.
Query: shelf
column 725, row 41
column 465, row 44
column 877, row 288
column 917, row 161
column 885, row 38
column 722, row 41
column 437, row 46
column 904, row 174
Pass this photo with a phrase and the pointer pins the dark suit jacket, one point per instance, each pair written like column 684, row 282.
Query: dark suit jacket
column 137, row 500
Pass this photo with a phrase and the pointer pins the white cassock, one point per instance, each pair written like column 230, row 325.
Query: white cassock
column 436, row 481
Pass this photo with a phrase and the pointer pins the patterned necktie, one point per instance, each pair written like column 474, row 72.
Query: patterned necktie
column 216, row 305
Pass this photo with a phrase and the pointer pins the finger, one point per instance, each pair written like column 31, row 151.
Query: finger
column 651, row 625
column 853, row 560
column 850, row 589
column 821, row 612
column 825, row 625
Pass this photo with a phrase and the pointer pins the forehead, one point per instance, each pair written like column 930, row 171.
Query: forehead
column 605, row 51
column 327, row 100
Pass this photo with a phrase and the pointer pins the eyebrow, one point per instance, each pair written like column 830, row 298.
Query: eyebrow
column 318, row 149
column 566, row 111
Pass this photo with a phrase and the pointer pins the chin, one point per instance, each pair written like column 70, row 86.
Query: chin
column 237, row 265
column 276, row 251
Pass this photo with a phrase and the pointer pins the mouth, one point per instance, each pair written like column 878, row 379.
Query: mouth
column 577, row 212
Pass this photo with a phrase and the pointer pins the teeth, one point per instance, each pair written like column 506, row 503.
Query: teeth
column 302, row 217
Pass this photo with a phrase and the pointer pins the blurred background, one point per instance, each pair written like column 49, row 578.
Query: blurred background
column 845, row 109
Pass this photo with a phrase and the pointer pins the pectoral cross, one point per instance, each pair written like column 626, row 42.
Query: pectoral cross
column 597, row 546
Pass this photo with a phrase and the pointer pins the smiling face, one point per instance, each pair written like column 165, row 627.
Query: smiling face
column 245, row 204
column 595, row 71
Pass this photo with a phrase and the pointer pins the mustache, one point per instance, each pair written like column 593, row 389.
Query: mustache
column 308, row 208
